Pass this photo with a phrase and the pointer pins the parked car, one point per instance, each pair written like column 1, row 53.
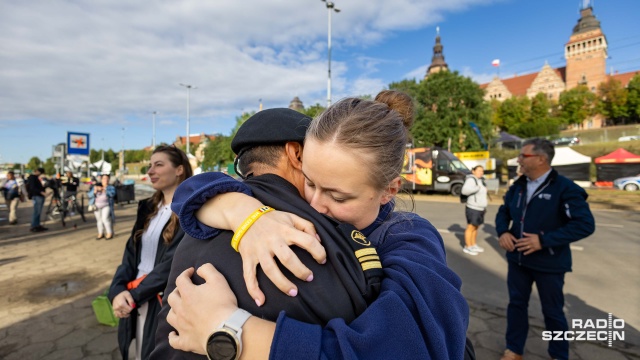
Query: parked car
column 566, row 141
column 631, row 183
column 629, row 138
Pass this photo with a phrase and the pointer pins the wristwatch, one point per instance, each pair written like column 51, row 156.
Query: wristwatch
column 225, row 342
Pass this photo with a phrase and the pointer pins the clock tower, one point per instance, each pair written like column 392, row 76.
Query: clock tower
column 586, row 51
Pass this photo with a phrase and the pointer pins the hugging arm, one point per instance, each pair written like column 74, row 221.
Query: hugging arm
column 420, row 312
column 211, row 201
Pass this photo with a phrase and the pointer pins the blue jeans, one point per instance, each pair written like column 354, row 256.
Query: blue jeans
column 38, row 203
column 520, row 280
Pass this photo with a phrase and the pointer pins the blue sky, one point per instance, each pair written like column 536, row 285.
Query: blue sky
column 101, row 66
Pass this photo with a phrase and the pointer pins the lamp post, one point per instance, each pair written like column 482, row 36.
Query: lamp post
column 153, row 143
column 330, row 7
column 189, row 87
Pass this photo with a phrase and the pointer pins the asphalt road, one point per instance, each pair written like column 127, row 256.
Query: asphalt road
column 605, row 265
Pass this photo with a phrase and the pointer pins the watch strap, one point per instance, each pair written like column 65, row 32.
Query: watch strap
column 236, row 320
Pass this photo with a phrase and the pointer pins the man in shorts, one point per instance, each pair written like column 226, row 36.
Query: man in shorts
column 476, row 207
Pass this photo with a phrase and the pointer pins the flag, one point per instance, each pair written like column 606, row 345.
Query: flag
column 495, row 62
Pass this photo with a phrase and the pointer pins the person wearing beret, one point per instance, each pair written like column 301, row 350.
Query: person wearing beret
column 420, row 312
column 280, row 186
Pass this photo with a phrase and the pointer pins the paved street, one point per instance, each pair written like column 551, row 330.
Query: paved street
column 49, row 279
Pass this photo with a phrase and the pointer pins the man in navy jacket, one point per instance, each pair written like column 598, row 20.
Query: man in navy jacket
column 543, row 212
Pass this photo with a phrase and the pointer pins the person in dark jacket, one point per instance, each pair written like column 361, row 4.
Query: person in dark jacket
column 136, row 288
column 36, row 193
column 543, row 212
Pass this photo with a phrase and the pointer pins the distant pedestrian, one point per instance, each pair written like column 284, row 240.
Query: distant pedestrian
column 476, row 206
column 100, row 199
column 35, row 188
column 70, row 184
column 12, row 191
column 543, row 213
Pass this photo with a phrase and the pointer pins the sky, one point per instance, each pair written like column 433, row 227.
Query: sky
column 104, row 66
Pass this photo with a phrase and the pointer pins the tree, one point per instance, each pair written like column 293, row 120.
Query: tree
column 34, row 163
column 613, row 102
column 446, row 105
column 313, row 111
column 633, row 99
column 576, row 105
column 218, row 151
column 49, row 167
column 512, row 113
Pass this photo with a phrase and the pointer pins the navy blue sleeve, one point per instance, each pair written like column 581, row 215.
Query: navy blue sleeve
column 579, row 222
column 503, row 217
column 420, row 313
column 192, row 193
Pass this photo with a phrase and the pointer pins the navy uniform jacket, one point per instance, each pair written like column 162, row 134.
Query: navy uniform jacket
column 340, row 288
column 558, row 212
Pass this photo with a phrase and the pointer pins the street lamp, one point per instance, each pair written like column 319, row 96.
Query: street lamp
column 189, row 87
column 153, row 143
column 330, row 7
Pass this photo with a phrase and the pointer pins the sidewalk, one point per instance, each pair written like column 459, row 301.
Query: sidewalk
column 49, row 280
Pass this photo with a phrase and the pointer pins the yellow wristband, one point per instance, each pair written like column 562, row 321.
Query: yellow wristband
column 235, row 241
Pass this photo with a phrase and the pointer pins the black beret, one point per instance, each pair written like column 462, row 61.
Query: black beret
column 271, row 126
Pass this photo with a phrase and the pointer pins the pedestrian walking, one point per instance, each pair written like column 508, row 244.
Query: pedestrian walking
column 543, row 212
column 100, row 202
column 12, row 189
column 36, row 191
column 476, row 206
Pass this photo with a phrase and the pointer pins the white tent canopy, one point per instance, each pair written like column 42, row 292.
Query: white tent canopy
column 567, row 162
column 102, row 166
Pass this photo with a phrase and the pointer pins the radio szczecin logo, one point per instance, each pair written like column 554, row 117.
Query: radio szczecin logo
column 590, row 330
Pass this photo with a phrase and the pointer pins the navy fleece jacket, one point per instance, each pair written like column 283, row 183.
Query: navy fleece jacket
column 419, row 314
column 558, row 212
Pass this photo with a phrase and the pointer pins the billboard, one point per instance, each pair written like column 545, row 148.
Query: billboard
column 77, row 143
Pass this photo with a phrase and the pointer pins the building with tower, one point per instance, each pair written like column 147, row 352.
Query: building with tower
column 296, row 104
column 585, row 54
column 437, row 61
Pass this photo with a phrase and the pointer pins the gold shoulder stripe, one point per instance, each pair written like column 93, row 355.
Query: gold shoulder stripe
column 369, row 258
column 371, row 265
column 366, row 251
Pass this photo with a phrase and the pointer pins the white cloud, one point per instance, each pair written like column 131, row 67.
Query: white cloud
column 105, row 61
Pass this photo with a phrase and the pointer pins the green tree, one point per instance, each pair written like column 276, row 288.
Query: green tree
column 34, row 163
column 446, row 104
column 613, row 102
column 633, row 99
column 313, row 111
column 576, row 105
column 512, row 113
column 49, row 167
column 218, row 152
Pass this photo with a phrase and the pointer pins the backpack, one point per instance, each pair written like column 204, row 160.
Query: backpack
column 463, row 198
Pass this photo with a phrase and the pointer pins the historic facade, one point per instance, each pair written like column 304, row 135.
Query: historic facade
column 585, row 54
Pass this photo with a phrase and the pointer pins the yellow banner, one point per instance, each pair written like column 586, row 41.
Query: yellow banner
column 472, row 155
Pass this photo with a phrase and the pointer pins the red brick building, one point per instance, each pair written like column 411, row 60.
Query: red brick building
column 586, row 56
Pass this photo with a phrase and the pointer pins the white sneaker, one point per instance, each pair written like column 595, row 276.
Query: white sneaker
column 470, row 251
column 477, row 248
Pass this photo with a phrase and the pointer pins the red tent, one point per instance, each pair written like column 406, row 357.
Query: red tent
column 617, row 164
